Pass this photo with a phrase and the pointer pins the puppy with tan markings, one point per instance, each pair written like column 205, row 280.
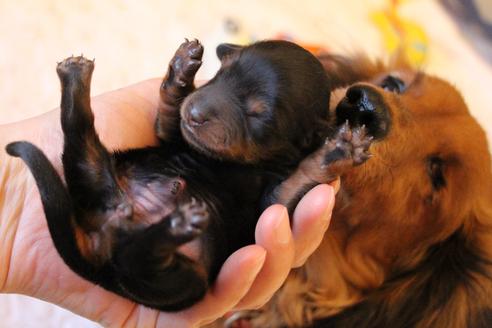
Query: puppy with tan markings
column 155, row 224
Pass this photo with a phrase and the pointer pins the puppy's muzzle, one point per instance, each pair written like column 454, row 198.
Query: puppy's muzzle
column 198, row 116
column 364, row 105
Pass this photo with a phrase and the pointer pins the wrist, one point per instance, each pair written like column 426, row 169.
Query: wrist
column 16, row 186
column 13, row 190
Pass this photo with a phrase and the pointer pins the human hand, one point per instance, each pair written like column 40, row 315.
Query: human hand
column 29, row 264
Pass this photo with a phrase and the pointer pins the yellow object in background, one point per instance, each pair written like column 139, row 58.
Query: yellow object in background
column 236, row 34
column 401, row 35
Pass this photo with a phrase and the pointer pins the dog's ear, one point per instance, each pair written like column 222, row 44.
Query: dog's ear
column 225, row 50
column 481, row 220
column 479, row 236
column 343, row 71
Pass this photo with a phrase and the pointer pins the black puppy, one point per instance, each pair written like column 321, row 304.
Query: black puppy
column 252, row 136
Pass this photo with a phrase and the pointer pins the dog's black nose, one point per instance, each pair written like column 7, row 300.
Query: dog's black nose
column 359, row 97
column 197, row 116
column 364, row 105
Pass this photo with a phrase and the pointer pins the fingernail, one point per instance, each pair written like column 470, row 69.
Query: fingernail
column 258, row 265
column 336, row 185
column 327, row 212
column 260, row 304
column 282, row 229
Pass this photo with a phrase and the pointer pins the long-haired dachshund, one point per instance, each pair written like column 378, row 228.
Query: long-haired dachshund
column 155, row 224
column 410, row 242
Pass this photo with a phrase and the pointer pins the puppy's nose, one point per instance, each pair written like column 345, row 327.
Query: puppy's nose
column 197, row 116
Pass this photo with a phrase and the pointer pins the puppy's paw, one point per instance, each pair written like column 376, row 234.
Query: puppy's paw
column 75, row 67
column 188, row 221
column 185, row 63
column 348, row 145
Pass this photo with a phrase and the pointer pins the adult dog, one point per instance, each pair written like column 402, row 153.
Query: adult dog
column 410, row 239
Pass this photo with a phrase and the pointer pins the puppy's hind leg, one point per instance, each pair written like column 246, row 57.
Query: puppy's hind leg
column 89, row 169
column 153, row 271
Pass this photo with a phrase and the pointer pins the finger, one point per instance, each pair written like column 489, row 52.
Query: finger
column 273, row 234
column 233, row 282
column 310, row 220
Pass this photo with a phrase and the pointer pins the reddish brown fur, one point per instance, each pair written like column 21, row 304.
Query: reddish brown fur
column 388, row 216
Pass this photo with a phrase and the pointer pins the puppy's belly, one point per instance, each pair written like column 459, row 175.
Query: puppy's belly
column 154, row 199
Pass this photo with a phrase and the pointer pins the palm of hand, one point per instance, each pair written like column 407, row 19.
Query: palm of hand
column 37, row 270
column 35, row 267
column 125, row 119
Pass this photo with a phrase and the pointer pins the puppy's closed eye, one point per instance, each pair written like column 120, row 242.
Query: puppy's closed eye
column 255, row 107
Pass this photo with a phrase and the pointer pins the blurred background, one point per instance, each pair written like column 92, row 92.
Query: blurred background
column 133, row 40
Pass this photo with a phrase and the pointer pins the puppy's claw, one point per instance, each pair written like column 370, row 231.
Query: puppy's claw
column 78, row 67
column 185, row 64
column 361, row 158
column 349, row 146
column 177, row 186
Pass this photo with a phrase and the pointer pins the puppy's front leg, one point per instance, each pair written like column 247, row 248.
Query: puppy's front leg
column 349, row 147
column 176, row 85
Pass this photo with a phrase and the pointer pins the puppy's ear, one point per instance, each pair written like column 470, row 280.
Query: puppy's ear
column 227, row 49
column 343, row 71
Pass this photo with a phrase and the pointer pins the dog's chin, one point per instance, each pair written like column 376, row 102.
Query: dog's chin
column 197, row 142
column 236, row 152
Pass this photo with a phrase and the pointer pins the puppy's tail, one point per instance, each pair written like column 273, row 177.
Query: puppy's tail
column 57, row 206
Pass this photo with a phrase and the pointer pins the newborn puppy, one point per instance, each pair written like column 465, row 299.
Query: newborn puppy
column 252, row 136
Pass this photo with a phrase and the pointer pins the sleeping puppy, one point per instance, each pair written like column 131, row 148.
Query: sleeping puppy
column 155, row 224
column 410, row 241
